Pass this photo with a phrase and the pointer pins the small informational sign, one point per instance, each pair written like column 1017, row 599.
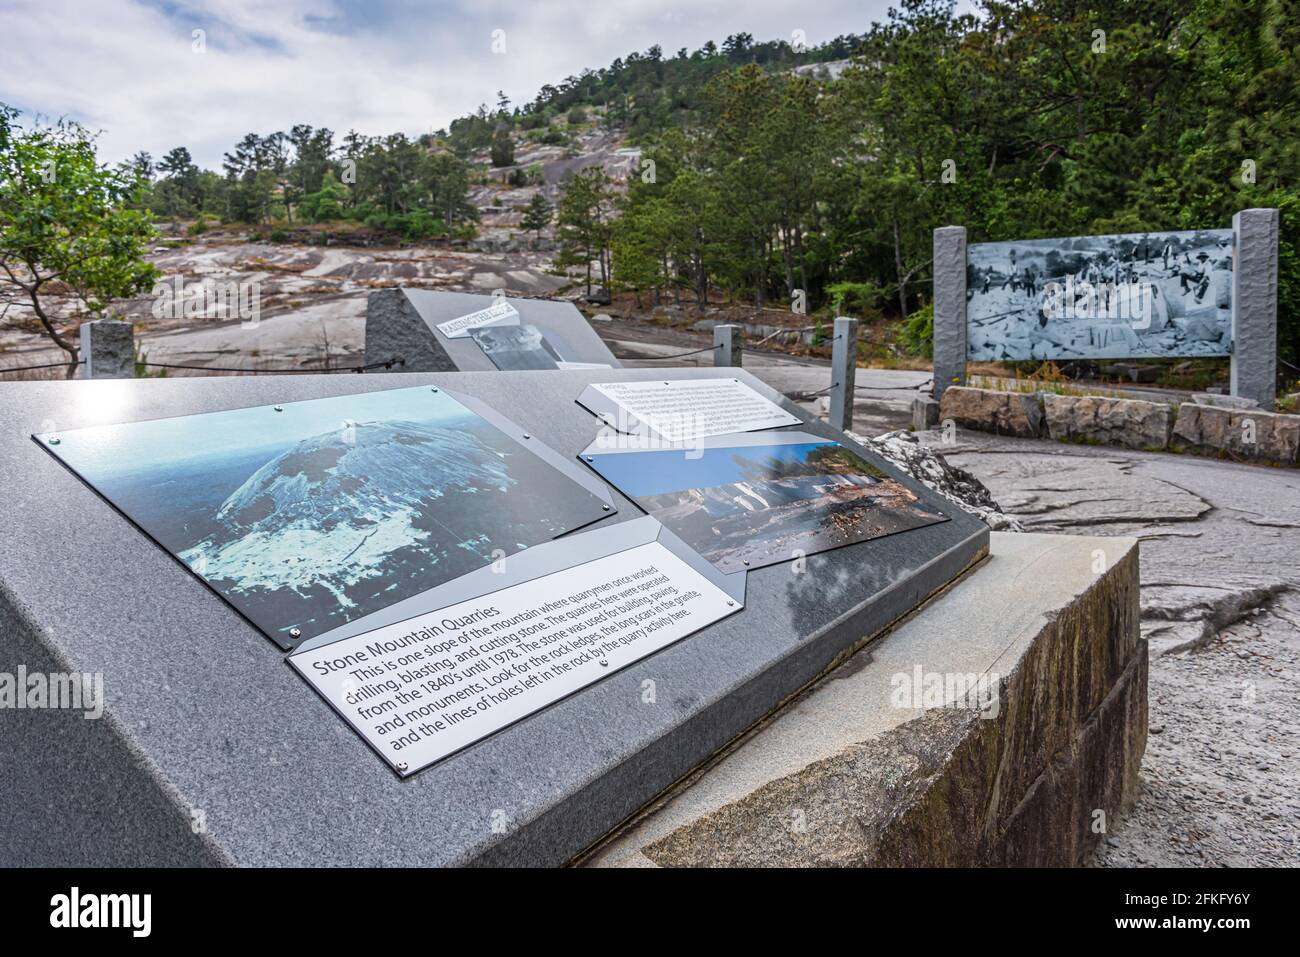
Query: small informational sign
column 421, row 689
column 750, row 500
column 499, row 313
column 684, row 410
column 513, row 347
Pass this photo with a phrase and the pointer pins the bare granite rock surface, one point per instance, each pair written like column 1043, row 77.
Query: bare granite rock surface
column 1221, row 613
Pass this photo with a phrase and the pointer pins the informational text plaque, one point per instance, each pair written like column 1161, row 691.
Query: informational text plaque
column 421, row 689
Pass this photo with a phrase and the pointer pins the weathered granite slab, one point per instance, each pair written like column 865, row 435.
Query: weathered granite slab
column 1132, row 423
column 950, row 345
column 213, row 751
column 107, row 349
column 1253, row 372
column 1247, row 433
column 1005, row 413
column 852, row 773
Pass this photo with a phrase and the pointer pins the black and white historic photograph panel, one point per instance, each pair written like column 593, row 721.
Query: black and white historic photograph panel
column 516, row 347
column 746, row 502
column 312, row 514
column 1120, row 296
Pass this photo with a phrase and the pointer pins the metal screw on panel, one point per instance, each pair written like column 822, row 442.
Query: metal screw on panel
column 295, row 632
column 744, row 561
column 402, row 766
column 433, row 390
column 605, row 507
column 527, row 436
column 279, row 408
column 54, row 440
column 731, row 604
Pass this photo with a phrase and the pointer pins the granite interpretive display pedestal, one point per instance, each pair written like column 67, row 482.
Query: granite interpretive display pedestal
column 425, row 330
column 211, row 749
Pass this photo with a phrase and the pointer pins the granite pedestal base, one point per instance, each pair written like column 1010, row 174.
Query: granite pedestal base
column 854, row 773
column 211, row 750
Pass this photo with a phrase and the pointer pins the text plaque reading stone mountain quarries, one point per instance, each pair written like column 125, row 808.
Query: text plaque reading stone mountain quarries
column 421, row 689
column 683, row 410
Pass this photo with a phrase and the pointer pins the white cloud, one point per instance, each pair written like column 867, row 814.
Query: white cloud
column 128, row 68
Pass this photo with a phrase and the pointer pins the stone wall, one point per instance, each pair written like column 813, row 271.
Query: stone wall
column 1244, row 433
column 1209, row 424
column 1131, row 423
column 1004, row 413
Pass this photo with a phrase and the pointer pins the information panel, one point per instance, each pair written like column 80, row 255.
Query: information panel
column 311, row 514
column 421, row 689
column 683, row 410
column 1129, row 295
column 754, row 499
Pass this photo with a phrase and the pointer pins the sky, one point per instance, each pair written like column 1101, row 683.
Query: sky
column 135, row 71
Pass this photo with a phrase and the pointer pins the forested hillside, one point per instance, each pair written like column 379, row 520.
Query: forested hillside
column 1036, row 119
column 811, row 176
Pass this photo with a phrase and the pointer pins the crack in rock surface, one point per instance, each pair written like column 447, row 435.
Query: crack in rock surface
column 1220, row 592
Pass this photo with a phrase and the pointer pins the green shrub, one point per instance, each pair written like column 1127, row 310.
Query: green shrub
column 917, row 334
column 860, row 299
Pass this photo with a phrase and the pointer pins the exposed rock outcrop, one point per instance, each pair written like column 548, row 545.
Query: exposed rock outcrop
column 927, row 466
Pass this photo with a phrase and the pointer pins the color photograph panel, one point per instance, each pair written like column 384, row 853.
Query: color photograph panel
column 329, row 509
column 748, row 506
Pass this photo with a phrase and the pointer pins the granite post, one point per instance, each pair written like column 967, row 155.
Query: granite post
column 727, row 344
column 1254, row 305
column 844, row 371
column 949, row 308
column 925, row 413
column 108, row 349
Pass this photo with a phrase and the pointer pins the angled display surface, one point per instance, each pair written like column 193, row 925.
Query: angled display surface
column 203, row 707
column 682, row 410
column 565, row 330
column 307, row 515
